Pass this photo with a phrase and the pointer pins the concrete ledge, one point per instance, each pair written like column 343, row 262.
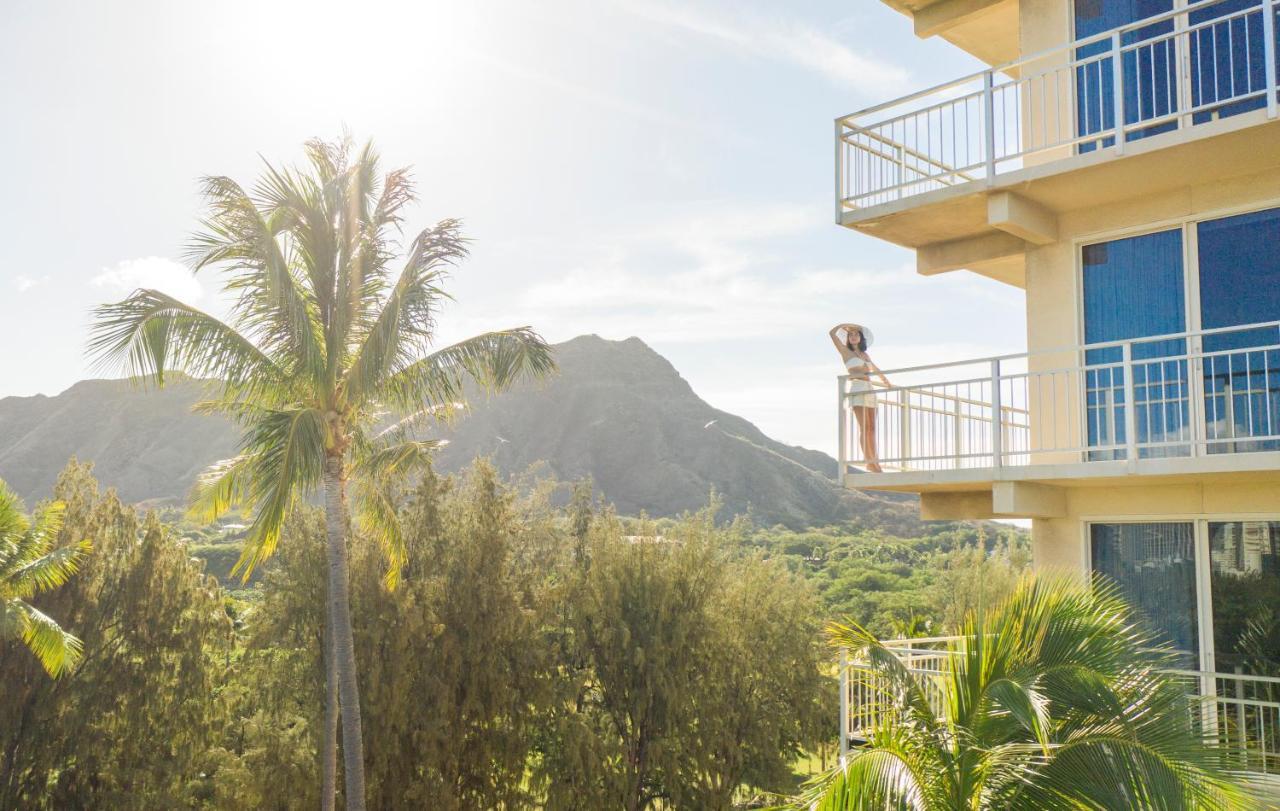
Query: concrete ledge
column 952, row 506
column 947, row 14
column 1016, row 215
column 1028, row 500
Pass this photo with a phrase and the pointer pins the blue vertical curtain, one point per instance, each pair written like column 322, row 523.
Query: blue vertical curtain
column 1133, row 289
column 1227, row 58
column 1148, row 73
column 1240, row 285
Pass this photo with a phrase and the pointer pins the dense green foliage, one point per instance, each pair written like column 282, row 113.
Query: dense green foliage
column 532, row 656
column 898, row 586
column 1057, row 698
column 131, row 726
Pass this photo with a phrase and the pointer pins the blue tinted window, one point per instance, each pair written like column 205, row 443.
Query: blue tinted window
column 1133, row 288
column 1096, row 16
column 1149, row 81
column 1240, row 270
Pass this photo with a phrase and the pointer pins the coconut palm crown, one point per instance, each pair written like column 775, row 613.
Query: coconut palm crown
column 327, row 342
column 29, row 564
column 1056, row 699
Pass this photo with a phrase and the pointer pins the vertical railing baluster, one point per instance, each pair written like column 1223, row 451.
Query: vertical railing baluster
column 997, row 437
column 957, row 432
column 1130, row 406
column 904, row 432
column 840, row 180
column 1117, row 91
column 1269, row 52
column 989, row 123
column 842, row 416
column 844, row 706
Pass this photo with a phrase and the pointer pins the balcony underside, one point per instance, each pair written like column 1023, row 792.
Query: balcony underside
column 957, row 221
column 988, row 29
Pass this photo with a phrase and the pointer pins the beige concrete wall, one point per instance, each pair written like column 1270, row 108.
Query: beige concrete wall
column 1059, row 543
column 1048, row 88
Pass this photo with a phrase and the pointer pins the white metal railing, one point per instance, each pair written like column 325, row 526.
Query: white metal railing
column 1192, row 393
column 1169, row 71
column 1241, row 711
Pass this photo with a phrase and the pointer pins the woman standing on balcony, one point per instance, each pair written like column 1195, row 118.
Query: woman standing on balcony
column 851, row 341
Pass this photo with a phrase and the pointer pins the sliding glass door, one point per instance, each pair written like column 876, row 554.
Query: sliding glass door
column 1239, row 284
column 1134, row 290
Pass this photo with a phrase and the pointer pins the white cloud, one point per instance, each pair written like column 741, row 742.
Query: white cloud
column 153, row 272
column 781, row 39
column 23, row 282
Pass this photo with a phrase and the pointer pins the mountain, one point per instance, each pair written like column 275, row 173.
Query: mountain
column 617, row 411
column 145, row 443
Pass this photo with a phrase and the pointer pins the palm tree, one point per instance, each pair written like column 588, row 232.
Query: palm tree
column 324, row 344
column 1054, row 700
column 29, row 565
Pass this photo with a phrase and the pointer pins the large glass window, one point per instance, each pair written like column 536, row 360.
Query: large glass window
column 1154, row 567
column 1134, row 289
column 1245, row 576
column 1239, row 279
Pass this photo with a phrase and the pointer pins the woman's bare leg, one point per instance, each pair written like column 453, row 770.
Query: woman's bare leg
column 873, row 457
column 866, row 419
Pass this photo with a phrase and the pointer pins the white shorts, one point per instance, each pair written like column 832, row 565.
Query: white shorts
column 859, row 393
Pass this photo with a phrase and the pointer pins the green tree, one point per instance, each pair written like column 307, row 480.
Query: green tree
column 685, row 670
column 1054, row 699
column 972, row 577
column 761, row 698
column 29, row 564
column 324, row 337
column 131, row 726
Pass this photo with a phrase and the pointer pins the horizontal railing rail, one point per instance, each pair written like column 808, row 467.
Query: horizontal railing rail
column 1174, row 70
column 1241, row 711
column 1183, row 394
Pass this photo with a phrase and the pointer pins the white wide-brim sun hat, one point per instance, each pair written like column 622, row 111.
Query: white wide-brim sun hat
column 866, row 333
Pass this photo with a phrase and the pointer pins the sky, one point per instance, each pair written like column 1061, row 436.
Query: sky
column 624, row 168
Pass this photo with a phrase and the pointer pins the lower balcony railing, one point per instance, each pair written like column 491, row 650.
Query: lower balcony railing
column 1240, row 711
column 1189, row 394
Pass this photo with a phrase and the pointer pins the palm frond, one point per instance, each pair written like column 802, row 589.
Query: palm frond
column 151, row 333
column 221, row 487
column 13, row 521
column 492, row 361
column 47, row 571
column 273, row 307
column 380, row 469
column 286, row 450
column 403, row 327
column 57, row 650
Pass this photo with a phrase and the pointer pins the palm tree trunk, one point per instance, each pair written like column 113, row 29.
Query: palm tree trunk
column 344, row 654
column 329, row 754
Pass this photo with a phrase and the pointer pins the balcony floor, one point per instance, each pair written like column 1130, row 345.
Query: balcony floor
column 1220, row 467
